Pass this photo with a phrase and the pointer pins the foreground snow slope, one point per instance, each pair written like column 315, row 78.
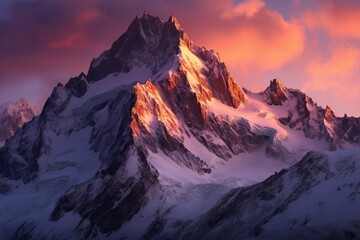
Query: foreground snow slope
column 158, row 140
column 315, row 198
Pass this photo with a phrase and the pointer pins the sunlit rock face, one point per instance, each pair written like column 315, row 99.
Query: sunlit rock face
column 277, row 92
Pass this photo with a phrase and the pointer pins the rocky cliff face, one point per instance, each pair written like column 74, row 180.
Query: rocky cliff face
column 147, row 142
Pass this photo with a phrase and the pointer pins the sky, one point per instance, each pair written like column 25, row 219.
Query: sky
column 311, row 45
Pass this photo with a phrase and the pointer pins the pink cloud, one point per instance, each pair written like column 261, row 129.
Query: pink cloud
column 72, row 40
column 262, row 41
column 89, row 15
column 336, row 79
column 342, row 61
column 338, row 18
column 247, row 8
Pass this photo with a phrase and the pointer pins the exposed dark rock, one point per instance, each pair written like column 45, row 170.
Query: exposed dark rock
column 115, row 201
column 77, row 85
column 155, row 229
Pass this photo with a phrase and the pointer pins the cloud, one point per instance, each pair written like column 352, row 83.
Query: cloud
column 73, row 40
column 338, row 18
column 262, row 41
column 342, row 61
column 336, row 78
column 247, row 8
column 331, row 58
column 89, row 15
column 49, row 40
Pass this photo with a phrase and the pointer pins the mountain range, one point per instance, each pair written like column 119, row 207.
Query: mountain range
column 158, row 141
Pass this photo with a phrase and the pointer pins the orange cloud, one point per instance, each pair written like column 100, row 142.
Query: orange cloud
column 247, row 8
column 336, row 76
column 338, row 18
column 262, row 41
column 341, row 62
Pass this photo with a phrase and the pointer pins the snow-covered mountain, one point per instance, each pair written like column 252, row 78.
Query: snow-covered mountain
column 13, row 115
column 305, row 115
column 158, row 141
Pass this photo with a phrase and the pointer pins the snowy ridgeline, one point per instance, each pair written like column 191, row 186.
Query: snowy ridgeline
column 176, row 149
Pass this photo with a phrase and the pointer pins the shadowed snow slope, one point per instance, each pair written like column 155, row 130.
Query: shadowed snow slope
column 158, row 141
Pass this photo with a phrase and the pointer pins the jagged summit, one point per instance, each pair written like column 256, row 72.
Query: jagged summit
column 276, row 85
column 78, row 85
column 276, row 92
column 163, row 48
column 148, row 42
column 175, row 21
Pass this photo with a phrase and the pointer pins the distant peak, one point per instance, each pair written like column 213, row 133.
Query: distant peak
column 146, row 19
column 276, row 84
column 277, row 92
column 146, row 14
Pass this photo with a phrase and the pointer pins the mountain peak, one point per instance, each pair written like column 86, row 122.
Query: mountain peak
column 11, row 107
column 276, row 85
column 277, row 92
column 172, row 19
column 160, row 48
column 148, row 42
column 146, row 14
